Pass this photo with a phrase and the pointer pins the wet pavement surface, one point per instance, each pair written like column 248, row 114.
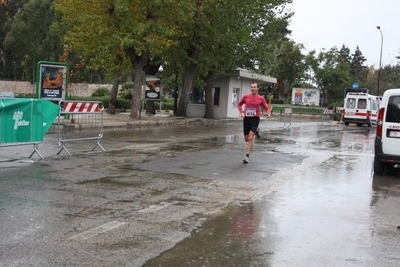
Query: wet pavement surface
column 181, row 196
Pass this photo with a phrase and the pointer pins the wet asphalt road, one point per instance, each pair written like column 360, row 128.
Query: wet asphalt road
column 180, row 196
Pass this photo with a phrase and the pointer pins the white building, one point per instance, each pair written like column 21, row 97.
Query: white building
column 228, row 89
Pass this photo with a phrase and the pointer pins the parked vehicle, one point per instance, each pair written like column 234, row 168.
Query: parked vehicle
column 361, row 108
column 387, row 139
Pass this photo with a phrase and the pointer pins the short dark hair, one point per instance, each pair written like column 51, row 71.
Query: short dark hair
column 256, row 83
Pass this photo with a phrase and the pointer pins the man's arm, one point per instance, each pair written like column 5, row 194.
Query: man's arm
column 240, row 104
column 266, row 107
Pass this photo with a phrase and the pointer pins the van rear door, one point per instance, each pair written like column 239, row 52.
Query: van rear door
column 374, row 109
column 391, row 127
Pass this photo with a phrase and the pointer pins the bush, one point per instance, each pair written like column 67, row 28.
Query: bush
column 101, row 91
column 123, row 103
column 126, row 91
column 276, row 101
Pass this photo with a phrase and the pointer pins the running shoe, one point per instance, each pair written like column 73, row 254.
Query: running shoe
column 246, row 159
column 258, row 133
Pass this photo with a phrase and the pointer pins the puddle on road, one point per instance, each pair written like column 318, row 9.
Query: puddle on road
column 228, row 239
column 113, row 181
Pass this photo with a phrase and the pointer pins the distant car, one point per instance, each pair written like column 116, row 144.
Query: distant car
column 6, row 94
column 387, row 139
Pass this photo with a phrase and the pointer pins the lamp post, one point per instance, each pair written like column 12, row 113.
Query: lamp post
column 380, row 59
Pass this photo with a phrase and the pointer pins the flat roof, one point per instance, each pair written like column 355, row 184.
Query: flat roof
column 243, row 73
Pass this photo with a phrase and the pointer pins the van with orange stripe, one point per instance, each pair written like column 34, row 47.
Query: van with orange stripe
column 361, row 108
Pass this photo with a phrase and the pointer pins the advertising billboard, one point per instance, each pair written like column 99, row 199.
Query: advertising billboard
column 52, row 80
column 306, row 96
column 153, row 88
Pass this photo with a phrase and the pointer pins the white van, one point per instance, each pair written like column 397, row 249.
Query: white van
column 360, row 108
column 387, row 138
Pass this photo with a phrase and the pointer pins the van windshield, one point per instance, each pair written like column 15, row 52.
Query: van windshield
column 393, row 112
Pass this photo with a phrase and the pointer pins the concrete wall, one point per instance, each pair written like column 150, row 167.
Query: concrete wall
column 76, row 89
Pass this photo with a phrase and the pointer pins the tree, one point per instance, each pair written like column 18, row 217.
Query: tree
column 332, row 73
column 122, row 31
column 289, row 66
column 219, row 36
column 30, row 38
column 357, row 69
column 8, row 10
column 345, row 54
column 266, row 51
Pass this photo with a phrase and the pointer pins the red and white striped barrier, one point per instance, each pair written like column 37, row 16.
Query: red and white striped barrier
column 81, row 107
column 79, row 121
column 328, row 111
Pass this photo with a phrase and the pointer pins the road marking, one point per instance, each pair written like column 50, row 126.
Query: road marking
column 152, row 208
column 97, row 230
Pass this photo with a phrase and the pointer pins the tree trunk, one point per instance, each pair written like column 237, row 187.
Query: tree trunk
column 150, row 107
column 138, row 63
column 113, row 97
column 209, row 114
column 186, row 87
column 280, row 88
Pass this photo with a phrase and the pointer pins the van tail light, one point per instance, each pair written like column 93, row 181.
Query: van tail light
column 379, row 123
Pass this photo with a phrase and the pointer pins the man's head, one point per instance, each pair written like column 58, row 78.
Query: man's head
column 254, row 88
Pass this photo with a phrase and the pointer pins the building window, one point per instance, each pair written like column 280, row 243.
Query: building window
column 199, row 97
column 216, row 96
column 235, row 97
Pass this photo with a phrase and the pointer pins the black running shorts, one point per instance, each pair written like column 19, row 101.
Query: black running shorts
column 250, row 124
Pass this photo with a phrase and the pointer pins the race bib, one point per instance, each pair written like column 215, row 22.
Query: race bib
column 250, row 112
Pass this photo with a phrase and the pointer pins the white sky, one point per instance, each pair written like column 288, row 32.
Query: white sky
column 319, row 24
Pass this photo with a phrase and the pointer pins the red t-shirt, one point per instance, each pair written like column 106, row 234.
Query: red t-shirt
column 252, row 105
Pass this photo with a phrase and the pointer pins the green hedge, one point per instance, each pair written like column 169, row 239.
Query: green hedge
column 298, row 110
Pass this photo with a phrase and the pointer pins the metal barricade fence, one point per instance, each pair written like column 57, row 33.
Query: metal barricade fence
column 327, row 116
column 78, row 121
column 287, row 119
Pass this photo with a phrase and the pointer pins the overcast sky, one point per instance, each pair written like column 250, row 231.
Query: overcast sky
column 319, row 24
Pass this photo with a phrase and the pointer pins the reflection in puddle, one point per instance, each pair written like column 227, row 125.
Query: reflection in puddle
column 224, row 240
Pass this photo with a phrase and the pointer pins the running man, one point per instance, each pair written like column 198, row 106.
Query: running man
column 251, row 116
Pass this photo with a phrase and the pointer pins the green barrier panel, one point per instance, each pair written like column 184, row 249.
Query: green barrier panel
column 25, row 120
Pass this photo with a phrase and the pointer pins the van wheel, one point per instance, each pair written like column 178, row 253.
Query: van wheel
column 378, row 167
column 346, row 123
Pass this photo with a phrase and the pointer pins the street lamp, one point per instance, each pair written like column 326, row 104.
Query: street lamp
column 380, row 59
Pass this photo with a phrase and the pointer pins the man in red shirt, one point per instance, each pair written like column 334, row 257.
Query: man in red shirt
column 251, row 116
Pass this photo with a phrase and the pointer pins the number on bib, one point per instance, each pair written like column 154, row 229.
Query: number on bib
column 250, row 112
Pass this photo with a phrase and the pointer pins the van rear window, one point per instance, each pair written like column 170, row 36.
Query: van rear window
column 351, row 103
column 362, row 103
column 393, row 109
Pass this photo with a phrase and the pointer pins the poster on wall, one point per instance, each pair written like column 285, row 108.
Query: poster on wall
column 52, row 80
column 298, row 98
column 153, row 88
